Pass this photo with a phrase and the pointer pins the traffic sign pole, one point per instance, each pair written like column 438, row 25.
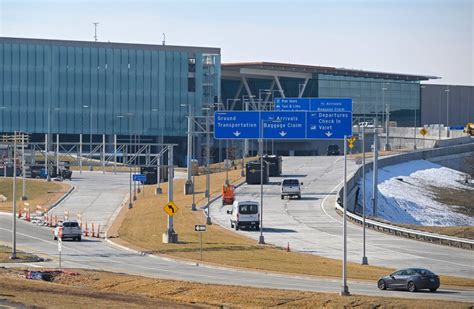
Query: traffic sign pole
column 364, row 257
column 375, row 171
column 345, row 288
column 170, row 236
column 261, row 239
column 14, row 200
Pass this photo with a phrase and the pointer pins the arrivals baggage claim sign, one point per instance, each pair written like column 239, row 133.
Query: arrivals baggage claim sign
column 293, row 118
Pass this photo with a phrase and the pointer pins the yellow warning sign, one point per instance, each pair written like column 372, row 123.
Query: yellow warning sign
column 351, row 141
column 423, row 131
column 171, row 209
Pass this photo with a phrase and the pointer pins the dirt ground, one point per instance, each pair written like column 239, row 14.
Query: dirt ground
column 94, row 289
column 142, row 228
column 22, row 257
column 39, row 192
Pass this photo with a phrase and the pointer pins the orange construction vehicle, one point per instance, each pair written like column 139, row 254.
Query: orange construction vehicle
column 469, row 128
column 228, row 194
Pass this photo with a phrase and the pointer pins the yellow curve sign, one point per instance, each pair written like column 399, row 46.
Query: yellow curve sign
column 171, row 209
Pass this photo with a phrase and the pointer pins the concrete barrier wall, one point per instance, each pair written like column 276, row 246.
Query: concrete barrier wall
column 428, row 154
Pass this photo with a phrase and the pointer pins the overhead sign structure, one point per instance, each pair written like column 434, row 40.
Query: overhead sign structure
column 313, row 104
column 171, row 209
column 330, row 121
column 139, row 177
column 200, row 227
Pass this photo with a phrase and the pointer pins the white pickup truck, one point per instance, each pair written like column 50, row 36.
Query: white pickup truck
column 291, row 187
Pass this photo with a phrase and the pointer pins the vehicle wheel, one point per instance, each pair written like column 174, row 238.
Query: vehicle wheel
column 79, row 238
column 411, row 286
column 282, row 197
column 257, row 227
column 236, row 226
column 231, row 225
column 381, row 284
column 433, row 290
column 55, row 238
column 299, row 197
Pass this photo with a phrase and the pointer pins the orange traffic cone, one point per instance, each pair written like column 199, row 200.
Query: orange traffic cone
column 28, row 215
column 288, row 247
column 19, row 213
column 98, row 228
column 86, row 232
column 92, row 231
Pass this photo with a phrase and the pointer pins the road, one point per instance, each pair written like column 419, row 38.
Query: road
column 96, row 196
column 312, row 225
column 98, row 254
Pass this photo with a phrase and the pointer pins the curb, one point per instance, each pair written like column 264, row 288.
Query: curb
column 66, row 195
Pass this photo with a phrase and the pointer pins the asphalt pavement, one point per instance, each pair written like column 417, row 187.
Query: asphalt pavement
column 99, row 254
column 312, row 225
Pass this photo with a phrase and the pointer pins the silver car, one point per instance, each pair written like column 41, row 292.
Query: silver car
column 412, row 279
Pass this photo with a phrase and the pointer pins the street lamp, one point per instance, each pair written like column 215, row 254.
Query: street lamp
column 387, row 119
column 129, row 116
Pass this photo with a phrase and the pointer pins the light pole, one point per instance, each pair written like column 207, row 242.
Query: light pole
column 24, row 197
column 188, row 186
column 364, row 257
column 129, row 115
column 345, row 288
column 90, row 135
column 208, row 163
column 261, row 239
column 447, row 110
column 387, row 119
column 14, row 199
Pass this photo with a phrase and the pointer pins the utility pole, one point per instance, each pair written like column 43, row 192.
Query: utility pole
column 95, row 30
column 261, row 239
column 387, row 127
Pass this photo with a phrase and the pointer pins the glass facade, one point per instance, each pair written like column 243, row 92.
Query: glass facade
column 102, row 88
column 370, row 95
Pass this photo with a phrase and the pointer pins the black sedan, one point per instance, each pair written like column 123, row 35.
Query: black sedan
column 412, row 279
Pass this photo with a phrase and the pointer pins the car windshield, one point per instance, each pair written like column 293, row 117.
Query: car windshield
column 422, row 271
column 248, row 209
column 70, row 224
column 333, row 147
column 290, row 182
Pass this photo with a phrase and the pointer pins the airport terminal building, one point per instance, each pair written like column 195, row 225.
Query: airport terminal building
column 104, row 90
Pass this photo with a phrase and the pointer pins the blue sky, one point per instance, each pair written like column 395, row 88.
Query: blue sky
column 416, row 37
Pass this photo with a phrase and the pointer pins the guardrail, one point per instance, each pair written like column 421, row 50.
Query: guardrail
column 396, row 230
column 409, row 233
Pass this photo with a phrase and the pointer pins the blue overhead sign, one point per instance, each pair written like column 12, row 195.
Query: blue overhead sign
column 292, row 104
column 139, row 177
column 313, row 104
column 283, row 125
column 329, row 125
column 229, row 125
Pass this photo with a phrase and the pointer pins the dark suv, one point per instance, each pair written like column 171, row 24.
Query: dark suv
column 333, row 150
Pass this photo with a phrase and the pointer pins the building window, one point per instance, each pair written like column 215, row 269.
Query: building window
column 191, row 84
column 192, row 65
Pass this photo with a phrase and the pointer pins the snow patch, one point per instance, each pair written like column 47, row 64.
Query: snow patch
column 403, row 198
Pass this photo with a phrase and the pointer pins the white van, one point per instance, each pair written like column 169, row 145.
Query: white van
column 245, row 214
column 291, row 187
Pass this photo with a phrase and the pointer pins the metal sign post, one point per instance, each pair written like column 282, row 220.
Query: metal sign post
column 345, row 288
column 60, row 240
column 364, row 257
column 375, row 171
column 14, row 199
column 170, row 236
column 200, row 228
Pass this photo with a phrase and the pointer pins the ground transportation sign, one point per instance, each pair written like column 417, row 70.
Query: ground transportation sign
column 331, row 120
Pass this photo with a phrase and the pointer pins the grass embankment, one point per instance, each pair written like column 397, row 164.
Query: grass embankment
column 142, row 228
column 22, row 257
column 39, row 192
column 102, row 289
